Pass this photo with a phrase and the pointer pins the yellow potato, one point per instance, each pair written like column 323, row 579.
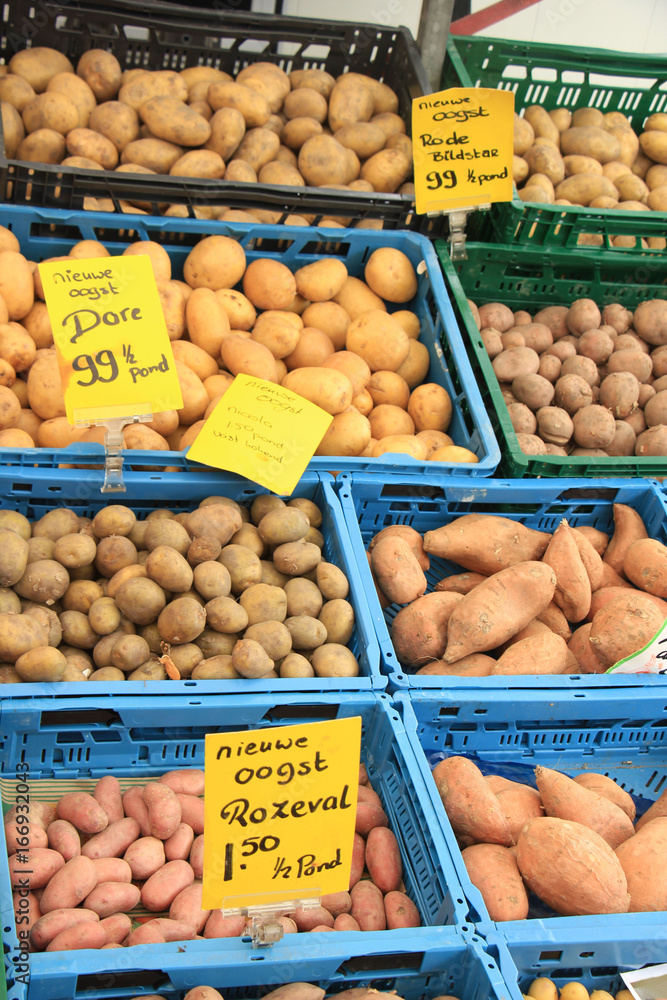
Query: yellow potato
column 45, row 145
column 101, row 71
column 16, row 91
column 155, row 154
column 197, row 359
column 240, row 355
column 50, row 110
column 215, row 262
column 386, row 170
column 16, row 284
column 13, row 129
column 408, row 444
column 172, row 120
column 207, row 322
column 38, row 65
column 252, row 105
column 430, row 407
column 390, row 274
column 590, row 140
column 144, row 86
column 348, row 434
column 199, row 163
column 86, row 142
column 118, row 122
column 654, row 145
column 331, row 390
column 322, row 161
column 379, row 340
column 78, row 91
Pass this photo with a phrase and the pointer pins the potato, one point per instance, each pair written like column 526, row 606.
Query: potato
column 378, row 339
column 101, row 71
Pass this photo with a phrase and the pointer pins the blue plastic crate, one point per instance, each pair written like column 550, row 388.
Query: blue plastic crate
column 569, row 731
column 146, row 736
column 587, row 953
column 371, row 503
column 454, row 968
column 33, row 497
column 46, row 233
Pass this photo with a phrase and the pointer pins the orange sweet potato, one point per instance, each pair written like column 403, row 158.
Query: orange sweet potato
column 598, row 539
column 471, row 806
column 606, row 594
column 486, row 543
column 460, row 583
column 553, row 618
column 536, row 654
column 533, row 628
column 419, row 630
column 520, row 803
column 580, row 647
column 643, row 861
column 571, row 868
column 493, row 869
column 590, row 558
column 623, row 626
column 498, row 608
column 563, row 798
column 610, row 578
column 608, row 788
column 573, row 587
column 397, row 570
column 475, row 665
column 645, row 565
column 410, row 535
column 659, row 808
column 628, row 528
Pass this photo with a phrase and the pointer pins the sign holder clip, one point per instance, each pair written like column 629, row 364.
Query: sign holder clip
column 113, row 447
column 263, row 927
column 457, row 229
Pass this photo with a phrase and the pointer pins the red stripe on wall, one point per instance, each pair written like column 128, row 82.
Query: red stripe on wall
column 490, row 15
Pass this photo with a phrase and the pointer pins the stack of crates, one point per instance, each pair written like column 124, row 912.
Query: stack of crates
column 59, row 737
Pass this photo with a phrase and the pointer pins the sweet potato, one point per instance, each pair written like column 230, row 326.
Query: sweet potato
column 628, row 528
column 573, row 587
column 610, row 578
column 486, row 543
column 471, row 806
column 563, row 798
column 623, row 626
column 643, row 861
column 475, row 665
column 419, row 630
column 533, row 628
column 598, row 539
column 571, row 868
column 498, row 608
column 579, row 645
column 659, row 808
column 590, row 558
column 460, row 583
column 519, row 803
column 645, row 565
column 493, row 869
column 536, row 654
column 605, row 594
column 553, row 618
column 397, row 570
column 608, row 788
column 410, row 535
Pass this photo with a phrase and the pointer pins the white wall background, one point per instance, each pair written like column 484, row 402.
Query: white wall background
column 622, row 25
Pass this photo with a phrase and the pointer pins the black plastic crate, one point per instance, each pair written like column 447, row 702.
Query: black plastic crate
column 165, row 36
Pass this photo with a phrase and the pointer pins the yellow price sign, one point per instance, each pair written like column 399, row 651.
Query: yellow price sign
column 463, row 143
column 111, row 339
column 262, row 431
column 280, row 809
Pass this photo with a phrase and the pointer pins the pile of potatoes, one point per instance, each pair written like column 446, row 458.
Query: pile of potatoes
column 308, row 991
column 528, row 602
column 575, row 843
column 321, row 332
column 545, row 989
column 578, row 380
column 595, row 159
column 221, row 592
column 305, row 129
column 91, row 858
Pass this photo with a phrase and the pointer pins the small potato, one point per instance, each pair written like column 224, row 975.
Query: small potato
column 272, row 636
column 250, row 659
column 296, row 558
column 211, row 579
column 263, row 602
column 337, row 616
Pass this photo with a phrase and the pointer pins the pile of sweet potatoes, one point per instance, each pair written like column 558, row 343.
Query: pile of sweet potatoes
column 573, row 842
column 529, row 602
column 80, row 866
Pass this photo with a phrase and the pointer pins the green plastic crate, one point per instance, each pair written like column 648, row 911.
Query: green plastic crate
column 525, row 278
column 570, row 77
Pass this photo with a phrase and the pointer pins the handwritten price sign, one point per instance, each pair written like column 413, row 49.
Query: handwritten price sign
column 111, row 339
column 463, row 143
column 262, row 431
column 280, row 807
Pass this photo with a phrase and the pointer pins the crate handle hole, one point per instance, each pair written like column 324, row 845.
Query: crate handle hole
column 550, row 956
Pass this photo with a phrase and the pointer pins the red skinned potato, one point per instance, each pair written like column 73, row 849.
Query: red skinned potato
column 383, row 859
column 113, row 841
column 185, row 781
column 358, row 859
column 368, row 906
column 44, row 930
column 566, row 799
column 160, row 890
column 83, row 811
column 486, row 543
column 134, row 805
column 494, row 871
column 499, row 608
column 419, row 630
column 573, row 586
column 70, row 884
column 108, row 793
column 471, row 806
column 400, row 911
column 643, row 861
column 571, row 868
column 397, row 570
column 42, row 862
column 164, row 809
column 219, row 926
column 187, row 907
column 112, row 897
column 82, row 935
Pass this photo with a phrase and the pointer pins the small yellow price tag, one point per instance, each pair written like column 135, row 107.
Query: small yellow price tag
column 463, row 142
column 263, row 432
column 280, row 809
column 111, row 339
